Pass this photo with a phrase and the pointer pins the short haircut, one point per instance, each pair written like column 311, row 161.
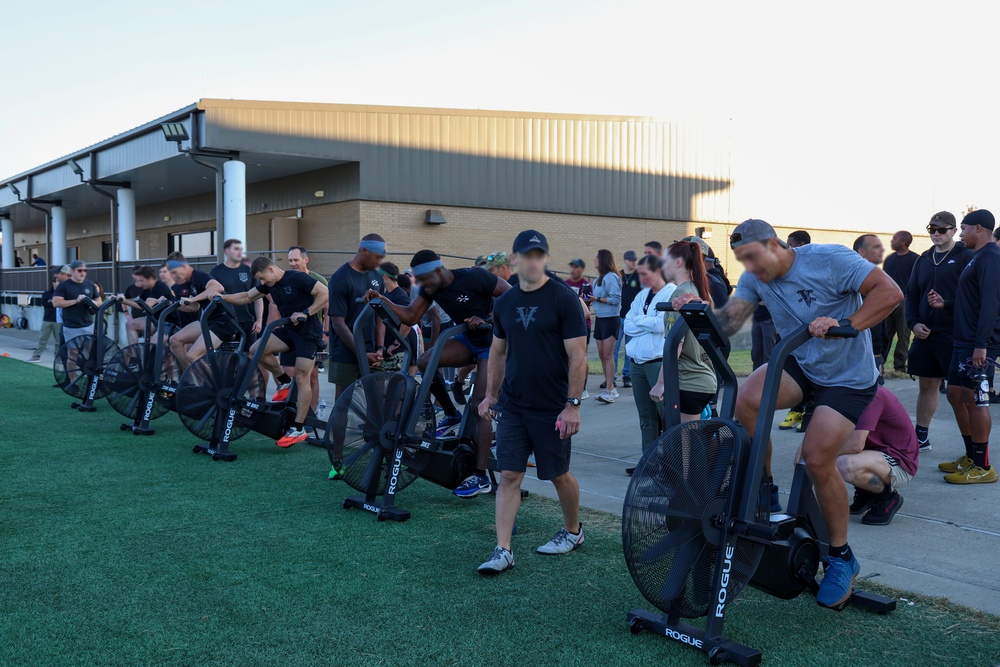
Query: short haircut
column 861, row 242
column 655, row 245
column 801, row 237
column 176, row 256
column 421, row 256
column 943, row 219
column 906, row 236
column 404, row 281
column 164, row 266
column 231, row 242
column 996, row 234
column 372, row 237
column 302, row 251
column 260, row 265
column 652, row 262
column 146, row 272
column 390, row 268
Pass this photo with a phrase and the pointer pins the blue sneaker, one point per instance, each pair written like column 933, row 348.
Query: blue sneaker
column 448, row 423
column 473, row 486
column 838, row 582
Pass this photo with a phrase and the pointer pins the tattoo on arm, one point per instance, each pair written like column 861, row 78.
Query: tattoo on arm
column 732, row 315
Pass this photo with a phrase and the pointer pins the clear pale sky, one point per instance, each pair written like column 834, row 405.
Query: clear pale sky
column 849, row 115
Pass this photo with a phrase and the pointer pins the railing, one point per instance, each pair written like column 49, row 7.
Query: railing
column 37, row 279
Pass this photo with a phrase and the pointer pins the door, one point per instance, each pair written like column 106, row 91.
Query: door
column 284, row 234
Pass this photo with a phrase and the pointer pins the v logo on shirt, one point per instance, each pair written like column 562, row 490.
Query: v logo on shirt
column 526, row 315
column 806, row 295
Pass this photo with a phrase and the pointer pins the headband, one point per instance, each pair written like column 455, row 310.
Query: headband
column 387, row 274
column 426, row 267
column 175, row 264
column 377, row 247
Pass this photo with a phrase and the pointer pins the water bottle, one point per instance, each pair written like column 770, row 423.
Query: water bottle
column 321, row 409
column 981, row 388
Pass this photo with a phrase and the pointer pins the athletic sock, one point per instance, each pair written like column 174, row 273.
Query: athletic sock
column 297, row 425
column 922, row 433
column 979, row 456
column 968, row 445
column 284, row 379
column 842, row 552
column 440, row 392
column 481, row 472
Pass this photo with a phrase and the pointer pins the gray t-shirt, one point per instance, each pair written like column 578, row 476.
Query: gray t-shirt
column 824, row 281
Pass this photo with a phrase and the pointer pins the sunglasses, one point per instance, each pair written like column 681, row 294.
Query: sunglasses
column 938, row 230
column 80, row 270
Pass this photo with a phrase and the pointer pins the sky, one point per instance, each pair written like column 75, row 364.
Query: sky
column 849, row 115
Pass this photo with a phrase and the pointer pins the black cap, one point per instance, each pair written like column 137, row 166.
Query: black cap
column 529, row 239
column 980, row 217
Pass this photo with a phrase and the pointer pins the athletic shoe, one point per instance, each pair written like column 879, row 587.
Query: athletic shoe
column 838, row 582
column 562, row 542
column 615, row 394
column 499, row 560
column 321, row 367
column 963, row 462
column 473, row 486
column 604, row 385
column 804, row 424
column 629, row 471
column 791, row 421
column 531, row 461
column 775, row 499
column 585, row 395
column 606, row 397
column 944, row 387
column 337, row 471
column 972, row 475
column 627, row 382
column 447, row 422
column 925, row 445
column 882, row 511
column 458, row 392
column 863, row 501
column 281, row 395
column 34, row 360
column 292, row 436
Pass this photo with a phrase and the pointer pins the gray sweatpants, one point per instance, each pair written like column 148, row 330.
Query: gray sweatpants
column 650, row 412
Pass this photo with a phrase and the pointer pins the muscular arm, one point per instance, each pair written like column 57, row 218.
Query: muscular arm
column 881, row 296
column 238, row 299
column 60, row 302
column 497, row 367
column 407, row 314
column 736, row 311
column 502, row 286
column 576, row 350
column 320, row 296
column 343, row 332
column 212, row 289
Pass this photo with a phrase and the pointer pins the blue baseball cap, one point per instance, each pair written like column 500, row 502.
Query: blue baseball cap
column 529, row 239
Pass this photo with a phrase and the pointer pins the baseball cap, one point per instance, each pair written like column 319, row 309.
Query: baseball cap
column 702, row 243
column 630, row 255
column 980, row 217
column 578, row 262
column 64, row 269
column 752, row 230
column 529, row 239
column 77, row 264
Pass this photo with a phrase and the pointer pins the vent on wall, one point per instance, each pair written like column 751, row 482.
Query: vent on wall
column 435, row 217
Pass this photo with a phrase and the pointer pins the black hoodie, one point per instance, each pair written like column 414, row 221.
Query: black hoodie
column 941, row 275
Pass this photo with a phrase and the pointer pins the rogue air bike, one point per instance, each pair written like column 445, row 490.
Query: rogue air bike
column 382, row 427
column 696, row 524
column 221, row 396
column 80, row 361
column 140, row 380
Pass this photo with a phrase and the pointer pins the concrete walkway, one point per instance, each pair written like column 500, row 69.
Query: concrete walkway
column 941, row 543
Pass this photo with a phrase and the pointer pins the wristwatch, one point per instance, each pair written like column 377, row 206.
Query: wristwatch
column 575, row 402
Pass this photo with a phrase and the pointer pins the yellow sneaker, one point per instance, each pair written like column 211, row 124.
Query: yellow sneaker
column 791, row 421
column 963, row 462
column 972, row 475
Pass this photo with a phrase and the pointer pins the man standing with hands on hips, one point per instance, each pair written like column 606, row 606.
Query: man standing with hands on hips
column 539, row 355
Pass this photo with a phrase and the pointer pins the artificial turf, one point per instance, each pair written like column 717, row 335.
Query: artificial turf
column 122, row 550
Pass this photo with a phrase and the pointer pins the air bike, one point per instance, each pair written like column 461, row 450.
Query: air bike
column 383, row 427
column 140, row 380
column 696, row 525
column 80, row 361
column 221, row 396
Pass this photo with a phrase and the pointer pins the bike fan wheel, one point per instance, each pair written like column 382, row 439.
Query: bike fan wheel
column 357, row 421
column 684, row 479
column 130, row 376
column 205, row 388
column 76, row 362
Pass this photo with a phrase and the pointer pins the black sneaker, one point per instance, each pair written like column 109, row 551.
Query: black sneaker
column 457, row 391
column 627, row 382
column 883, row 509
column 925, row 445
column 629, row 471
column 604, row 385
column 863, row 501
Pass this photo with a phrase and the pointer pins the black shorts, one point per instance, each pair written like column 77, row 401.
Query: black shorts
column 958, row 369
column 694, row 402
column 930, row 358
column 299, row 346
column 520, row 434
column 247, row 329
column 606, row 327
column 224, row 329
column 847, row 401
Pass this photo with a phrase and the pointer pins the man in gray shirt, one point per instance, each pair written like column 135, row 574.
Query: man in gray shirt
column 822, row 286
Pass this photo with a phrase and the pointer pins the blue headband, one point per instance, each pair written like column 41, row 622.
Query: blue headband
column 426, row 267
column 377, row 247
column 175, row 264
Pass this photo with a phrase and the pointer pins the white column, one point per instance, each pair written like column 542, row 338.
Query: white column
column 126, row 225
column 234, row 205
column 7, row 229
column 58, row 234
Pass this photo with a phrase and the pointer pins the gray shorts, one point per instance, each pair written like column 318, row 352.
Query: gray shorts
column 70, row 333
column 899, row 475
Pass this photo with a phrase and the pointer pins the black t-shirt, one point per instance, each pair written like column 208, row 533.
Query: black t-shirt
column 132, row 292
column 398, row 296
column 470, row 294
column 899, row 268
column 293, row 294
column 78, row 316
column 49, row 311
column 235, row 281
column 535, row 324
column 157, row 291
column 197, row 284
column 977, row 300
column 346, row 285
column 630, row 289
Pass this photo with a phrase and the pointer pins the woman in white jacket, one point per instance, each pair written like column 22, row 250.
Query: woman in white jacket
column 645, row 348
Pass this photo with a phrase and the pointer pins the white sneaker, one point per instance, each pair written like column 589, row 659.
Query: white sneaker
column 585, row 395
column 606, row 397
column 499, row 560
column 615, row 394
column 562, row 542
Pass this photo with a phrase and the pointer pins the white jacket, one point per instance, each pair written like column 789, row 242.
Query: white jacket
column 646, row 329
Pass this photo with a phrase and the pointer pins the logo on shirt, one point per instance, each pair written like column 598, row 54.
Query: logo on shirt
column 805, row 295
column 526, row 315
column 463, row 298
column 375, row 284
column 244, row 277
column 534, row 239
column 288, row 289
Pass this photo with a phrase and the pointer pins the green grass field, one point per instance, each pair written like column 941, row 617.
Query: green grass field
column 119, row 550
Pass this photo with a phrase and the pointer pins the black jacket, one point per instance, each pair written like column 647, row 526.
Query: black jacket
column 943, row 279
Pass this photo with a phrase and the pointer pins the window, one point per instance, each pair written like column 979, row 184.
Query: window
column 192, row 244
column 106, row 251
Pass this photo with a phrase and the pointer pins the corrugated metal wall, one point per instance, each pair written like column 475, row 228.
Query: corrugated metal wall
column 630, row 167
